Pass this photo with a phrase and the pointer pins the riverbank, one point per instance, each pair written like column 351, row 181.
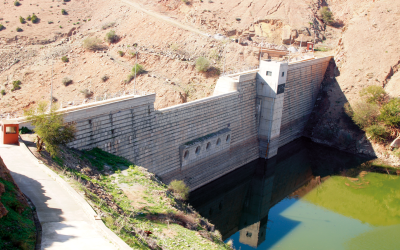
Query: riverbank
column 133, row 203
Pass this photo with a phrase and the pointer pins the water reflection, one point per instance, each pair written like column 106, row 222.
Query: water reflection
column 241, row 200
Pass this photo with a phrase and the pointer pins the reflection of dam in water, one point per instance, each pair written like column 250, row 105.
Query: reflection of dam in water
column 241, row 200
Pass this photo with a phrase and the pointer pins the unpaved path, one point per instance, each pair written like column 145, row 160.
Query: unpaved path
column 164, row 18
column 64, row 223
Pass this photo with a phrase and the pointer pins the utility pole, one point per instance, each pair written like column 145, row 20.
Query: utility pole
column 51, row 88
column 223, row 71
column 134, row 84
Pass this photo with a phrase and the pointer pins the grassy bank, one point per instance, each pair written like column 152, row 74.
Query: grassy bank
column 132, row 202
column 17, row 228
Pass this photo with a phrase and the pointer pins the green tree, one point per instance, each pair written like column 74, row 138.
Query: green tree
column 363, row 114
column 327, row 15
column 390, row 113
column 50, row 128
column 374, row 94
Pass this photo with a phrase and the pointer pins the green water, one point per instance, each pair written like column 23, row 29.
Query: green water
column 363, row 215
column 281, row 204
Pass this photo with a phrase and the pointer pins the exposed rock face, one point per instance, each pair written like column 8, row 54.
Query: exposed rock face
column 5, row 175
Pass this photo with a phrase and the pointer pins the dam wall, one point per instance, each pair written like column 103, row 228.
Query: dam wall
column 250, row 115
column 190, row 142
column 287, row 93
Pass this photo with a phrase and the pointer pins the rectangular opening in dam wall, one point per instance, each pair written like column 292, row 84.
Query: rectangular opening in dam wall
column 194, row 151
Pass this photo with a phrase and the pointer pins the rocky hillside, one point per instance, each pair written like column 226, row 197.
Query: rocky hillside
column 171, row 34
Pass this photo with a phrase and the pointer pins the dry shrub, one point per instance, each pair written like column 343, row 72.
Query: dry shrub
column 92, row 43
column 179, row 189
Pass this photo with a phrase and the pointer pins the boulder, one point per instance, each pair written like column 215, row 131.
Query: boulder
column 395, row 143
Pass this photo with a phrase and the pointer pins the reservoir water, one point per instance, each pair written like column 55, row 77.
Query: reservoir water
column 307, row 197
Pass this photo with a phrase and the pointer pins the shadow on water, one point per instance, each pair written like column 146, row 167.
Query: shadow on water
column 241, row 200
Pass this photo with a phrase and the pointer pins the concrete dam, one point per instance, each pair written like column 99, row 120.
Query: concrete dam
column 250, row 115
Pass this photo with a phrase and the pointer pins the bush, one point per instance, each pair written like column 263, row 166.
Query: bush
column 16, row 3
column 18, row 29
column 34, row 19
column 65, row 59
column 25, row 130
column 105, row 78
column 179, row 189
column 111, row 37
column 121, row 53
column 22, row 20
column 29, row 18
column 138, row 69
column 390, row 113
column 64, row 12
column 16, row 85
column 202, row 64
column 377, row 132
column 2, row 92
column 374, row 94
column 66, row 81
column 108, row 25
column 327, row 15
column 87, row 93
column 50, row 128
column 92, row 43
column 363, row 114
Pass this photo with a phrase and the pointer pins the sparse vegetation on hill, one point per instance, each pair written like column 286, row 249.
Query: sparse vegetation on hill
column 202, row 64
column 65, row 59
column 66, row 81
column 34, row 19
column 111, row 37
column 86, row 93
column 16, row 85
column 108, row 25
column 92, row 43
column 327, row 15
column 376, row 114
column 105, row 78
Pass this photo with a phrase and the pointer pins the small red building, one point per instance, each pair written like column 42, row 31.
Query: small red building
column 9, row 132
column 310, row 46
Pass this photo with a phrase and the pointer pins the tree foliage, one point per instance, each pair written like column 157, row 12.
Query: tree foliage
column 363, row 114
column 390, row 113
column 377, row 132
column 180, row 189
column 374, row 94
column 50, row 128
column 327, row 15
